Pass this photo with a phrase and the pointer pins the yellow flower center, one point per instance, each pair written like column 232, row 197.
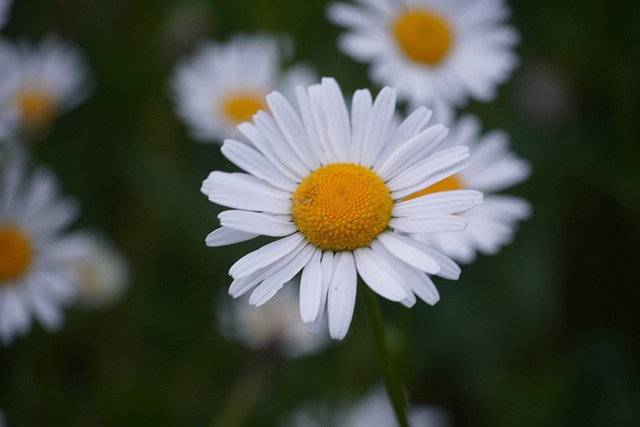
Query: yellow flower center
column 423, row 36
column 15, row 254
column 241, row 107
column 37, row 108
column 447, row 184
column 341, row 206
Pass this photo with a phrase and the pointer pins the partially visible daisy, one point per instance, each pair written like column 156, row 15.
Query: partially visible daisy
column 223, row 85
column 494, row 167
column 329, row 183
column 437, row 53
column 275, row 324
column 34, row 253
column 101, row 273
column 41, row 82
column 374, row 409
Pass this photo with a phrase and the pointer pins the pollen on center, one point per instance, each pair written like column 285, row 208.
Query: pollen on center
column 341, row 206
column 15, row 254
column 423, row 36
column 37, row 108
column 240, row 107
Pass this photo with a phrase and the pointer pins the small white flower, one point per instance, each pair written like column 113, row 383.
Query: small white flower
column 101, row 274
column 277, row 323
column 41, row 82
column 223, row 85
column 34, row 278
column 437, row 53
column 493, row 168
column 330, row 184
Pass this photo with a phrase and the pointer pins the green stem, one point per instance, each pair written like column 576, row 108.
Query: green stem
column 389, row 375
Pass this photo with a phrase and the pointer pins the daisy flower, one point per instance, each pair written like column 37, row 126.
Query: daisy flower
column 434, row 52
column 330, row 183
column 277, row 323
column 493, row 168
column 223, row 85
column 42, row 82
column 101, row 274
column 34, row 278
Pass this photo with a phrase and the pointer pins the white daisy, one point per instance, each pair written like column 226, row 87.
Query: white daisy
column 101, row 273
column 434, row 52
column 277, row 323
column 329, row 183
column 34, row 278
column 42, row 82
column 223, row 85
column 493, row 168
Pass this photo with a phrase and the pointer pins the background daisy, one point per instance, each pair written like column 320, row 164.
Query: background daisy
column 224, row 84
column 34, row 277
column 493, row 168
column 330, row 183
column 41, row 82
column 4, row 12
column 438, row 53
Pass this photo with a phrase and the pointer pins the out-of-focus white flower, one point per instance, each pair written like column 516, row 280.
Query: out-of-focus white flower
column 437, row 53
column 100, row 272
column 4, row 13
column 374, row 409
column 275, row 324
column 329, row 183
column 41, row 82
column 34, row 254
column 494, row 167
column 223, row 85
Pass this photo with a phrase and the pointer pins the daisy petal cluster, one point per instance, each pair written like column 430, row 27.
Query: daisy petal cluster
column 34, row 252
column 494, row 167
column 439, row 53
column 41, row 82
column 224, row 84
column 330, row 184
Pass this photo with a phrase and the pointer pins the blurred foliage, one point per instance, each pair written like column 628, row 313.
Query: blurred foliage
column 543, row 334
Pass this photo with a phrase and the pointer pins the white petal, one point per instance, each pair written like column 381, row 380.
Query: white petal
column 360, row 110
column 258, row 223
column 311, row 289
column 243, row 191
column 256, row 164
column 441, row 202
column 342, row 295
column 429, row 224
column 266, row 255
column 226, row 236
column 378, row 275
column 377, row 130
column 407, row 250
column 338, row 126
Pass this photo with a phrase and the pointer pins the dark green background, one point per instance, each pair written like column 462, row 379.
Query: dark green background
column 544, row 334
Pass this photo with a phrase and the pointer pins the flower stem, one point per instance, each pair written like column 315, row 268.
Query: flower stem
column 389, row 375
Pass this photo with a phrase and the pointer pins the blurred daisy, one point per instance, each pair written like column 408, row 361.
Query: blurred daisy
column 101, row 274
column 42, row 82
column 330, row 184
column 276, row 324
column 34, row 278
column 374, row 409
column 493, row 168
column 223, row 85
column 434, row 52
column 4, row 12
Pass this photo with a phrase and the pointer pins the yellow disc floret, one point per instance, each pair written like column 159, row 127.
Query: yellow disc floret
column 341, row 206
column 423, row 36
column 15, row 253
column 447, row 184
column 37, row 108
column 240, row 107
